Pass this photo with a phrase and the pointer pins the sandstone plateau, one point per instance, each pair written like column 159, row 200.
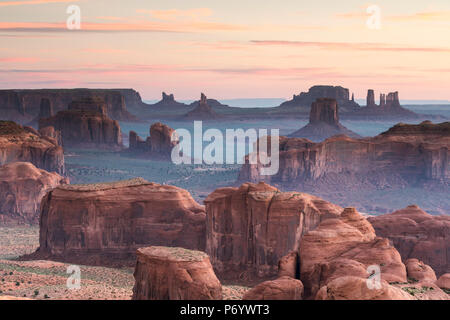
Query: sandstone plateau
column 323, row 122
column 22, row 187
column 404, row 155
column 158, row 145
column 164, row 273
column 85, row 124
column 417, row 234
column 250, row 228
column 106, row 223
column 24, row 144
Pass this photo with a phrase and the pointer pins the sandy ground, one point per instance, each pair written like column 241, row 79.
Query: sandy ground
column 48, row 280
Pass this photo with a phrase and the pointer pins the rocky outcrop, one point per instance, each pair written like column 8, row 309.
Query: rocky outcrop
column 389, row 107
column 346, row 246
column 370, row 98
column 202, row 112
column 305, row 99
column 283, row 288
column 24, row 105
column 419, row 271
column 164, row 273
column 85, row 124
column 417, row 234
column 405, row 155
column 168, row 101
column 250, row 228
column 22, row 187
column 106, row 223
column 444, row 282
column 323, row 122
column 19, row 144
column 158, row 145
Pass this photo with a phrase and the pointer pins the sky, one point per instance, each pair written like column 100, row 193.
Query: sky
column 228, row 49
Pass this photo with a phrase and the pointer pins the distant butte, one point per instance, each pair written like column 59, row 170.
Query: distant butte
column 323, row 122
column 203, row 111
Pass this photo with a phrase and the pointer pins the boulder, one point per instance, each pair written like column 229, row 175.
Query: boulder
column 164, row 273
column 283, row 288
column 104, row 224
column 444, row 282
column 22, row 187
column 417, row 235
column 419, row 271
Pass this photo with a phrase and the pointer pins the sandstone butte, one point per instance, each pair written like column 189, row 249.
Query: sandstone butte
column 323, row 122
column 104, row 224
column 168, row 273
column 203, row 111
column 22, row 187
column 250, row 228
column 158, row 145
column 25, row 144
column 417, row 234
column 85, row 124
column 404, row 155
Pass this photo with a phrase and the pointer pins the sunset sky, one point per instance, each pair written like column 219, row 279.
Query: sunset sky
column 228, row 49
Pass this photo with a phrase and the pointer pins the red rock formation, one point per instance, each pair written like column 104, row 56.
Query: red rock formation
column 416, row 234
column 50, row 132
column 202, row 112
column 164, row 273
column 346, row 246
column 106, row 223
column 419, row 271
column 250, row 228
column 86, row 124
column 404, row 155
column 158, row 145
column 25, row 104
column 22, row 187
column 18, row 144
column 323, row 122
column 283, row 288
column 167, row 102
column 370, row 98
column 444, row 282
column 389, row 108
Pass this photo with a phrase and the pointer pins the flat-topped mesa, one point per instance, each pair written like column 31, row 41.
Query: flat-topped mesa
column 21, row 190
column 159, row 144
column 202, row 111
column 104, row 224
column 252, row 227
column 340, row 94
column 164, row 273
column 86, row 124
column 370, row 98
column 19, row 144
column 323, row 122
column 91, row 104
column 417, row 157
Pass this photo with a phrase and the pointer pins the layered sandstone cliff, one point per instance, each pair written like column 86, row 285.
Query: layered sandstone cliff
column 164, row 273
column 85, row 124
column 389, row 159
column 158, row 145
column 24, row 105
column 248, row 229
column 106, row 223
column 19, row 144
column 323, row 122
column 417, row 234
column 22, row 187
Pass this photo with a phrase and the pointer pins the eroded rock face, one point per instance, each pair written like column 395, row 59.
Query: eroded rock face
column 393, row 158
column 22, row 187
column 444, row 282
column 323, row 122
column 389, row 107
column 252, row 227
column 203, row 111
column 18, row 144
column 158, row 145
column 417, row 234
column 419, row 271
column 346, row 246
column 106, row 223
column 283, row 288
column 86, row 124
column 164, row 273
column 24, row 105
